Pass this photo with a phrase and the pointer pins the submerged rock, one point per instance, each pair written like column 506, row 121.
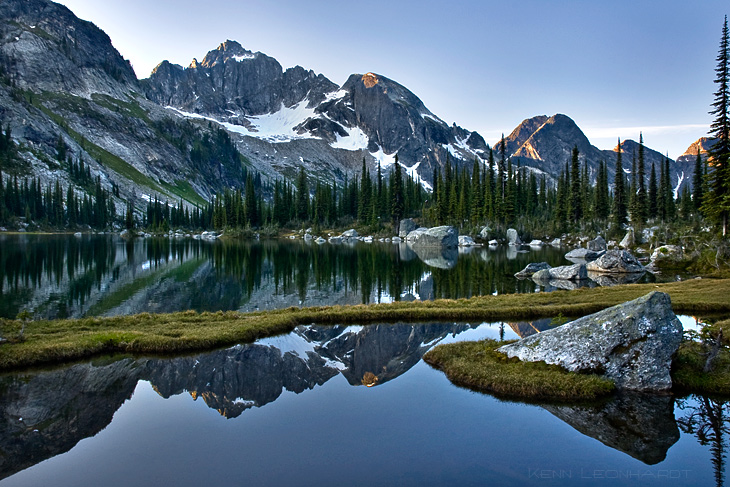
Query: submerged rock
column 616, row 262
column 532, row 268
column 631, row 344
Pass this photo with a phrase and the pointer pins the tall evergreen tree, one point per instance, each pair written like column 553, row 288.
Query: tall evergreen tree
column 716, row 202
column 697, row 181
column 652, row 193
column 619, row 192
column 576, row 205
column 642, row 206
column 397, row 205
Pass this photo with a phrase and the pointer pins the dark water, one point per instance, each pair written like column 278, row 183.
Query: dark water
column 58, row 276
column 338, row 406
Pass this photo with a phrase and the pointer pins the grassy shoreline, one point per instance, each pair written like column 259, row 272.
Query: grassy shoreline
column 58, row 341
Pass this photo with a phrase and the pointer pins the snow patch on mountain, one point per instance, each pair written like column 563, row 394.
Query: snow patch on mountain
column 354, row 140
column 244, row 56
column 385, row 160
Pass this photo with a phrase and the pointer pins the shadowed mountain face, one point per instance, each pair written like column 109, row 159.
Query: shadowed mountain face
column 545, row 144
column 642, row 426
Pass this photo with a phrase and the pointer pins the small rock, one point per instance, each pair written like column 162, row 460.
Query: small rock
column 536, row 243
column 466, row 241
column 351, row 233
column 493, row 243
column 583, row 254
column 484, row 233
column 628, row 241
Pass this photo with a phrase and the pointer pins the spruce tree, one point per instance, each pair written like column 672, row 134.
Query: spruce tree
column 576, row 205
column 642, row 206
column 396, row 195
column 716, row 202
column 697, row 182
column 619, row 196
column 652, row 193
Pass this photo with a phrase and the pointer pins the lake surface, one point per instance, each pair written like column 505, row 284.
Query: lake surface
column 341, row 405
column 59, row 276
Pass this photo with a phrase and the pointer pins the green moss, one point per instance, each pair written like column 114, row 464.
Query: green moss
column 478, row 365
column 66, row 340
column 128, row 108
column 688, row 374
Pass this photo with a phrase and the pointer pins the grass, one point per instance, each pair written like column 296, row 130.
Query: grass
column 56, row 341
column 478, row 365
column 688, row 375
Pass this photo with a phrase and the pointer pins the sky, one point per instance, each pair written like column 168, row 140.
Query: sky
column 617, row 68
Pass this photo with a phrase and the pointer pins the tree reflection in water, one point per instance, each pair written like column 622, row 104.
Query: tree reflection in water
column 709, row 420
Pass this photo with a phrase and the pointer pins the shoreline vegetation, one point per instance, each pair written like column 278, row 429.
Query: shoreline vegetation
column 29, row 343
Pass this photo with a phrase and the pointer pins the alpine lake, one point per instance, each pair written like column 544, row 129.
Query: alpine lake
column 323, row 405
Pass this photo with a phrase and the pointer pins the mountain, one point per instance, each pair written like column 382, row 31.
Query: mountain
column 370, row 115
column 186, row 133
column 544, row 144
column 690, row 155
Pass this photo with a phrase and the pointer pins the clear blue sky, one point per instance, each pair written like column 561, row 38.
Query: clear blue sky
column 615, row 67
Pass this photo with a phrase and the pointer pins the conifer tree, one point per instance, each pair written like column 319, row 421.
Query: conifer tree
column 716, row 201
column 642, row 207
column 697, row 182
column 576, row 205
column 396, row 195
column 619, row 196
column 652, row 193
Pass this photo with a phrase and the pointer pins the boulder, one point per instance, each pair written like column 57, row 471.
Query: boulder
column 484, row 233
column 616, row 262
column 556, row 242
column 576, row 272
column 631, row 344
column 396, row 240
column 628, row 241
column 406, row 226
column 308, row 236
column 537, row 243
column 583, row 255
column 335, row 240
column 437, row 237
column 466, row 241
column 320, row 240
column 351, row 233
column 493, row 243
column 532, row 268
column 598, row 244
column 512, row 237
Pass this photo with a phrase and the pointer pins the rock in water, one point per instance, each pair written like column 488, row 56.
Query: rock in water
column 439, row 237
column 583, row 254
column 597, row 244
column 576, row 272
column 532, row 268
column 406, row 226
column 513, row 237
column 615, row 262
column 631, row 344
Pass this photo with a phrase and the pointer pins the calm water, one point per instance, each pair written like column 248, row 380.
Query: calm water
column 64, row 276
column 337, row 406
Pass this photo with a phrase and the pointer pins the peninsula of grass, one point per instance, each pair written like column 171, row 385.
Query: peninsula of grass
column 57, row 341
column 477, row 365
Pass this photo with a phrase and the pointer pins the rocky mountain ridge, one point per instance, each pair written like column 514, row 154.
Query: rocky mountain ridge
column 63, row 80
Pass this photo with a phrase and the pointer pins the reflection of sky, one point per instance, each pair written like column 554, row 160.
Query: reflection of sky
column 690, row 323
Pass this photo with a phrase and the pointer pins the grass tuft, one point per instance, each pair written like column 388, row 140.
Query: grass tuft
column 478, row 365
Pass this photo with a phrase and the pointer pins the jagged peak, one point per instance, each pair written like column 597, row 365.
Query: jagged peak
column 166, row 65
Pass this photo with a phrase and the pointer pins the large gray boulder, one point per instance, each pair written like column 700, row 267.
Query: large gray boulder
column 632, row 344
column 351, row 233
column 597, row 244
column 406, row 226
column 513, row 237
column 582, row 255
column 616, row 262
column 438, row 237
column 484, row 233
column 575, row 272
column 532, row 268
column 467, row 241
